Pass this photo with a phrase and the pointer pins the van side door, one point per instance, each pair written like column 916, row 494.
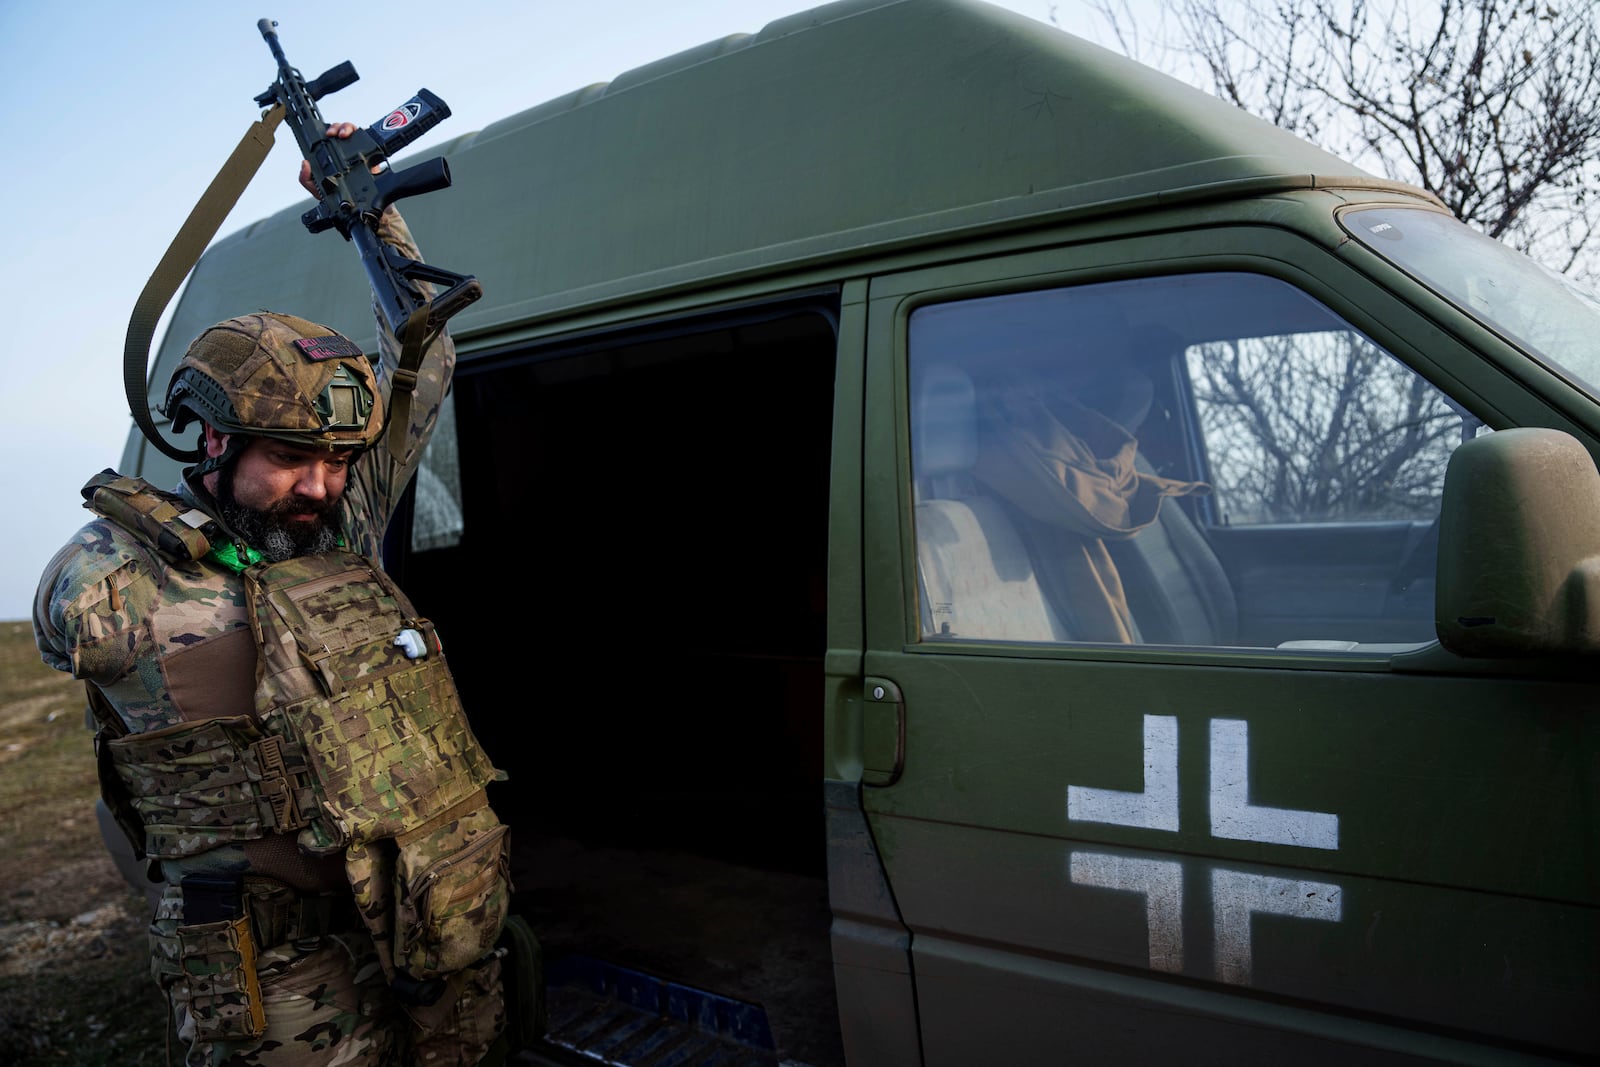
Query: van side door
column 1184, row 773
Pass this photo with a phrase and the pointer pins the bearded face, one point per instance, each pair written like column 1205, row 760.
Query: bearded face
column 283, row 499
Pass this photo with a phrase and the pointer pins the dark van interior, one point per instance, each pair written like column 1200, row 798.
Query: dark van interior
column 635, row 615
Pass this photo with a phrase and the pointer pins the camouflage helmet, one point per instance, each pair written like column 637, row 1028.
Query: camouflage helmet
column 275, row 375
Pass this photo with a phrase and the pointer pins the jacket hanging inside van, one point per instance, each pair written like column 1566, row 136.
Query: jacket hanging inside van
column 1072, row 470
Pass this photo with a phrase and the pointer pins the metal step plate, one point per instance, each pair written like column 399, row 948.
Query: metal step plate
column 608, row 1014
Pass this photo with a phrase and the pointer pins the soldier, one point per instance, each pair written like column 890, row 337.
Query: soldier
column 279, row 734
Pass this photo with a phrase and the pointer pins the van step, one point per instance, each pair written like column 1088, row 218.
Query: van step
column 608, row 1014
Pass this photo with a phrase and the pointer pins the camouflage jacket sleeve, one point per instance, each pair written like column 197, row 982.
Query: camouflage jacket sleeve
column 91, row 601
column 380, row 477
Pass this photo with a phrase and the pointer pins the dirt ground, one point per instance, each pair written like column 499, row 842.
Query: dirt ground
column 73, row 983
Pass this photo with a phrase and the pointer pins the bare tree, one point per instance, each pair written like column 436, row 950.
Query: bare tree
column 1492, row 105
column 1320, row 427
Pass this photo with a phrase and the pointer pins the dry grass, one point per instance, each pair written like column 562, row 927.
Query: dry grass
column 73, row 984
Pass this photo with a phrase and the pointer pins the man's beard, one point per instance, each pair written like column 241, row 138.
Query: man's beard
column 270, row 531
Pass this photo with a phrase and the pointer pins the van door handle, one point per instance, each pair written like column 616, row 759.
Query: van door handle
column 883, row 732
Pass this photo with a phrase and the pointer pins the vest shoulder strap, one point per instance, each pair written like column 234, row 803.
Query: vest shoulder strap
column 162, row 520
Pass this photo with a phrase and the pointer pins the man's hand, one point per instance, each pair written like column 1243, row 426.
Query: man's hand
column 340, row 130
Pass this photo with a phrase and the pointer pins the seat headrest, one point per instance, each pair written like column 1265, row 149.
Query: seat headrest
column 1121, row 394
column 944, row 422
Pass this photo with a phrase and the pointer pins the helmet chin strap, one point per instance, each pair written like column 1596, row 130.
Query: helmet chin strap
column 230, row 452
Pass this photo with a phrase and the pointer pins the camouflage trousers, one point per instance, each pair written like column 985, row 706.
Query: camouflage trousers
column 327, row 1002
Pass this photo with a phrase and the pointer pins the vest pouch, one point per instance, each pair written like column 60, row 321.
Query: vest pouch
column 452, row 893
column 198, row 785
column 210, row 969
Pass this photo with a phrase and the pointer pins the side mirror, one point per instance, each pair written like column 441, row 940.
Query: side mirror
column 1519, row 547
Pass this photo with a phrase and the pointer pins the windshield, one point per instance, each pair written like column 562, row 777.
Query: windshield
column 1549, row 315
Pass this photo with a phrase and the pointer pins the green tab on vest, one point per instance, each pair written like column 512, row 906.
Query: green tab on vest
column 227, row 554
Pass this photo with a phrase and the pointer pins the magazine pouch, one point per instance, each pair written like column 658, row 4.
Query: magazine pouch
column 209, row 968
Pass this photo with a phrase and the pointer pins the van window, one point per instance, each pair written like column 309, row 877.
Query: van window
column 1549, row 314
column 436, row 508
column 1209, row 459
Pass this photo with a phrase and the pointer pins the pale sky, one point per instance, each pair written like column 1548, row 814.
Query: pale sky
column 122, row 113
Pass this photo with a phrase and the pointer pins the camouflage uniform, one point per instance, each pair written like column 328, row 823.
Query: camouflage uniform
column 168, row 644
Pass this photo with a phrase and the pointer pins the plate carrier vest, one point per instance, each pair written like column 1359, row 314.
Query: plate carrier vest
column 358, row 745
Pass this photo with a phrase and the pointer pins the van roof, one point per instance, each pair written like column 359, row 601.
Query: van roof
column 855, row 127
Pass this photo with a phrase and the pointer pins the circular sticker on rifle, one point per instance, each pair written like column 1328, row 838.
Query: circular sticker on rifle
column 403, row 115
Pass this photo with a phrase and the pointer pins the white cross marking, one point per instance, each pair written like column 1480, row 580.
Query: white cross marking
column 1237, row 896
column 1156, row 807
column 1232, row 814
column 1161, row 884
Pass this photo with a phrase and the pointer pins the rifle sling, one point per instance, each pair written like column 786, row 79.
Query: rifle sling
column 181, row 256
column 413, row 340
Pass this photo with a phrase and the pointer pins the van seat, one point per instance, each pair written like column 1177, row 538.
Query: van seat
column 1177, row 590
column 974, row 574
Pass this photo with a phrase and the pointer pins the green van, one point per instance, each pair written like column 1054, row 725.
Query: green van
column 972, row 551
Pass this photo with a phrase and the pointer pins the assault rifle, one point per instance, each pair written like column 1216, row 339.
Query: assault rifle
column 357, row 184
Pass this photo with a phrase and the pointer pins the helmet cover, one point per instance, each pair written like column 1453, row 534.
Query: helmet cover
column 277, row 376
